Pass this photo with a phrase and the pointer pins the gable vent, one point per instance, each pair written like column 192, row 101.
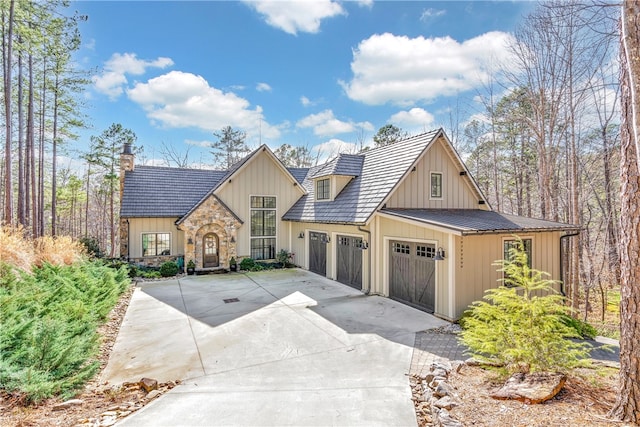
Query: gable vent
column 481, row 202
column 463, row 173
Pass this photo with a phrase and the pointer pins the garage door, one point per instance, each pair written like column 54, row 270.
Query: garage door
column 318, row 253
column 412, row 274
column 349, row 259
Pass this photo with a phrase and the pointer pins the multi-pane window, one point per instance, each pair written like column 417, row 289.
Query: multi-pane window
column 400, row 248
column 154, row 244
column 323, row 189
column 436, row 185
column 426, row 251
column 263, row 227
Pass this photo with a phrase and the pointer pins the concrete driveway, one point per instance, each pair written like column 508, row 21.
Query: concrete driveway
column 282, row 347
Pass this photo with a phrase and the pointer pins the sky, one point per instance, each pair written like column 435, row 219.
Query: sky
column 322, row 74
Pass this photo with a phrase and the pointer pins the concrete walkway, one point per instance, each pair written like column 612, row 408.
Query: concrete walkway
column 283, row 347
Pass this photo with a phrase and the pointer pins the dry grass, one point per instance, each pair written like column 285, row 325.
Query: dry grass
column 60, row 250
column 15, row 249
column 19, row 251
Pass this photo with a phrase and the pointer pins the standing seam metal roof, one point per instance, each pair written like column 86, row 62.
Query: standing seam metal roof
column 476, row 221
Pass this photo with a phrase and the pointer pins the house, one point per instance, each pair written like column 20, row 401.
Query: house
column 406, row 221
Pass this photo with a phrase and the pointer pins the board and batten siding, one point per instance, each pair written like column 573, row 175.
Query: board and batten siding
column 300, row 247
column 260, row 178
column 139, row 226
column 475, row 255
column 414, row 192
column 387, row 229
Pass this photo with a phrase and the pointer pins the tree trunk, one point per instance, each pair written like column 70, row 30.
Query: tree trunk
column 21, row 196
column 54, row 160
column 627, row 406
column 7, row 58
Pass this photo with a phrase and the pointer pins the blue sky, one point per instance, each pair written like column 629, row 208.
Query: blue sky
column 322, row 74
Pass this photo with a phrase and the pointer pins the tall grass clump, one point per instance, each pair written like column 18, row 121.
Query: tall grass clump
column 49, row 315
column 15, row 250
column 522, row 324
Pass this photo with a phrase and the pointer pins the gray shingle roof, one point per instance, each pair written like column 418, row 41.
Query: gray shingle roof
column 344, row 164
column 381, row 170
column 299, row 173
column 475, row 221
column 151, row 191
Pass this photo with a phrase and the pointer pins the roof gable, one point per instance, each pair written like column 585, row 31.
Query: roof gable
column 238, row 168
column 459, row 189
column 382, row 168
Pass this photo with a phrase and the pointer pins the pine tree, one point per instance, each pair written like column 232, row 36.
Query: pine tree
column 522, row 324
column 230, row 147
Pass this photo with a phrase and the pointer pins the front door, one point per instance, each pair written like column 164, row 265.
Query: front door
column 210, row 251
column 318, row 253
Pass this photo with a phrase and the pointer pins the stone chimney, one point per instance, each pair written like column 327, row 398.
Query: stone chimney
column 126, row 164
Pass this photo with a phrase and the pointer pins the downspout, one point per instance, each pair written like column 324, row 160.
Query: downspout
column 367, row 290
column 577, row 233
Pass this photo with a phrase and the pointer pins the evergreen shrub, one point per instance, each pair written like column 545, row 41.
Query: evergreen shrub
column 48, row 327
column 169, row 269
column 521, row 324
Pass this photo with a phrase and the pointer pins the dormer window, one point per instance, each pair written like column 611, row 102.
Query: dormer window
column 436, row 185
column 323, row 189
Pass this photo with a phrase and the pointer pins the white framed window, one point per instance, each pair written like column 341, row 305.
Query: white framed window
column 436, row 185
column 154, row 244
column 263, row 227
column 323, row 189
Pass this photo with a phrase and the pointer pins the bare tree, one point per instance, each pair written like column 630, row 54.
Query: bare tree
column 174, row 157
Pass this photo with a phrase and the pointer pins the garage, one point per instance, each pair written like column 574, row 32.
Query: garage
column 318, row 252
column 349, row 261
column 412, row 273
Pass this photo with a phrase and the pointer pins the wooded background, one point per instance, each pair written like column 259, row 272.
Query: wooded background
column 547, row 144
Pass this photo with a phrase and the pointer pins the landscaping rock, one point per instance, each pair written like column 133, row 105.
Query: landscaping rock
column 67, row 404
column 148, row 384
column 531, row 388
column 444, row 419
column 445, row 402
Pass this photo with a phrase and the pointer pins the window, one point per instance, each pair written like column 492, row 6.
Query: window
column 436, row 185
column 323, row 189
column 426, row 251
column 263, row 227
column 400, row 248
column 154, row 244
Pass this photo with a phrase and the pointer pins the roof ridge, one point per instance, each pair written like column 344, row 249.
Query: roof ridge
column 404, row 140
column 179, row 169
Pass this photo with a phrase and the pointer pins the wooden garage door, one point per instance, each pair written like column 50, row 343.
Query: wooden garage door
column 412, row 274
column 349, row 259
column 318, row 253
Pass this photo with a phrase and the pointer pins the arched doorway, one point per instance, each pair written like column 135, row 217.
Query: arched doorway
column 210, row 256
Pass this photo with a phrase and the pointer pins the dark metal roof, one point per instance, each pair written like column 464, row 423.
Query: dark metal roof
column 152, row 191
column 344, row 164
column 475, row 221
column 382, row 168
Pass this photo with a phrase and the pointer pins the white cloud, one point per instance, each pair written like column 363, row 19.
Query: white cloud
column 263, row 87
column 203, row 143
column 431, row 13
column 365, row 3
column 414, row 117
column 178, row 99
column 333, row 147
column 113, row 78
column 403, row 70
column 325, row 123
column 294, row 16
column 306, row 102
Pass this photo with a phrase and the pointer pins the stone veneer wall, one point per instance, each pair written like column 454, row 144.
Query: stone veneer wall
column 210, row 217
column 124, row 238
